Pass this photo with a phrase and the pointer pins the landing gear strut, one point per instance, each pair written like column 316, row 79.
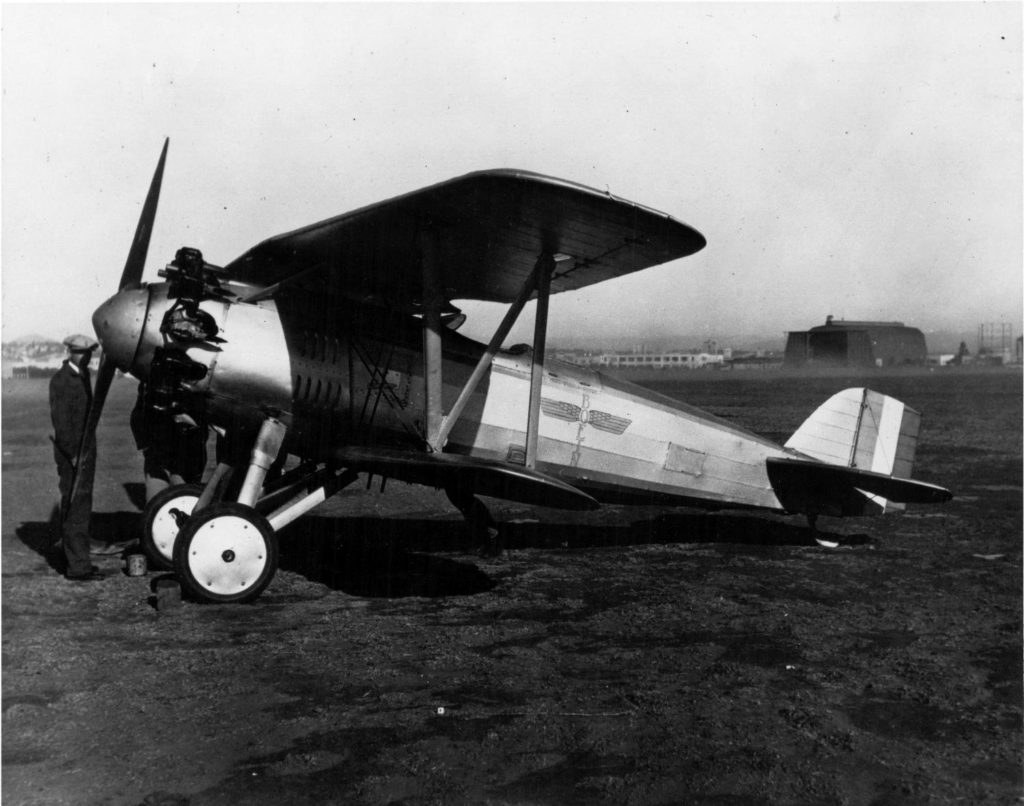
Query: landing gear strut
column 227, row 551
column 482, row 532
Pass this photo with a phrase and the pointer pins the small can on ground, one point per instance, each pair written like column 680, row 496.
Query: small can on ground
column 136, row 565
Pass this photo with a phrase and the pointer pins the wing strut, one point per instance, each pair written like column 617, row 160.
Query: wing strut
column 433, row 302
column 484, row 363
column 543, row 271
column 439, row 426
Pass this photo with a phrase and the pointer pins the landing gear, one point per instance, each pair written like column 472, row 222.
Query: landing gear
column 226, row 553
column 481, row 530
column 163, row 518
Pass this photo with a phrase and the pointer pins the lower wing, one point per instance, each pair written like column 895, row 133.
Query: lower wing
column 466, row 474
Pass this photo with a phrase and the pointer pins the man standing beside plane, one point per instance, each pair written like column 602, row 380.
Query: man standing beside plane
column 70, row 400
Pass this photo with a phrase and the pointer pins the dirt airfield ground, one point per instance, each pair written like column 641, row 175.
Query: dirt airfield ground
column 629, row 656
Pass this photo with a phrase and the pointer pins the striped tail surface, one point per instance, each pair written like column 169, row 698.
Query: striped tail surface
column 863, row 429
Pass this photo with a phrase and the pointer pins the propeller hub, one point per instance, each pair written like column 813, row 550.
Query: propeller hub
column 119, row 324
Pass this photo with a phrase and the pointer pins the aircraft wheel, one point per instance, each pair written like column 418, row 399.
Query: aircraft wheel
column 163, row 518
column 226, row 553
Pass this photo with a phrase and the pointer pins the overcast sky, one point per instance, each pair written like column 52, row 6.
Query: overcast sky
column 862, row 160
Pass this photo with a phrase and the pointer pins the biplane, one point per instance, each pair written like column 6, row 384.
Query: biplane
column 336, row 346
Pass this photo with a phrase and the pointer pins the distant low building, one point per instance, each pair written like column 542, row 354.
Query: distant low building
column 32, row 358
column 856, row 344
column 642, row 360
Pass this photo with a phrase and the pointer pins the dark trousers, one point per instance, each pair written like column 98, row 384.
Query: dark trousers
column 76, row 515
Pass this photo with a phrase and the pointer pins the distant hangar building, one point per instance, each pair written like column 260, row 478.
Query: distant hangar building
column 856, row 344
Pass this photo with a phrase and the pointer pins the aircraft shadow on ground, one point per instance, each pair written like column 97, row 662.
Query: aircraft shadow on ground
column 390, row 557
column 376, row 557
column 381, row 558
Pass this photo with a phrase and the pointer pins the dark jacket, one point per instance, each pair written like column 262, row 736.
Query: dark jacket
column 70, row 398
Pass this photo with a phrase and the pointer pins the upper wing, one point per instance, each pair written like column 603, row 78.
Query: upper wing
column 485, row 230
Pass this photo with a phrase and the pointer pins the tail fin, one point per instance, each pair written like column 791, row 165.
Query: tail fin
column 862, row 429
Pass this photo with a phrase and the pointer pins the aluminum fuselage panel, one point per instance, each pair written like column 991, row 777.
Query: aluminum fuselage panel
column 360, row 380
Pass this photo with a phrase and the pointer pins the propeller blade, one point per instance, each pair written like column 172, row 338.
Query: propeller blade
column 130, row 278
column 104, row 375
column 132, row 274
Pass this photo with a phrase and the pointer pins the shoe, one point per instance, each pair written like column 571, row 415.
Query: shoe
column 92, row 576
column 105, row 549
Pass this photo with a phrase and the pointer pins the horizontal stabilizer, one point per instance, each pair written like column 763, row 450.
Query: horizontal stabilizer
column 806, row 486
column 466, row 474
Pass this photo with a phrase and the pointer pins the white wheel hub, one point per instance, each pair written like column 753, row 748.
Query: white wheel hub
column 165, row 524
column 227, row 555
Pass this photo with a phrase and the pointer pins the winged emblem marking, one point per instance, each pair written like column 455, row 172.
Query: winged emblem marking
column 571, row 413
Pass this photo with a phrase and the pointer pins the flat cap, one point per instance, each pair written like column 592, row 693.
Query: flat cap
column 80, row 344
